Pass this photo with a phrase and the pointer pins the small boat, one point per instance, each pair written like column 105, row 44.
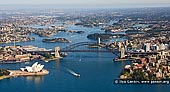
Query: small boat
column 73, row 73
column 27, row 62
column 77, row 75
column 63, row 54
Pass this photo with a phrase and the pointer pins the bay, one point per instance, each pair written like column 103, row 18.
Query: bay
column 97, row 70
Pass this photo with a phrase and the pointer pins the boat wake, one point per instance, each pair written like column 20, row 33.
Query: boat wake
column 66, row 70
column 73, row 73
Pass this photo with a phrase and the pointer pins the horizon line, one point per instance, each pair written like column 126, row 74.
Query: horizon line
column 55, row 6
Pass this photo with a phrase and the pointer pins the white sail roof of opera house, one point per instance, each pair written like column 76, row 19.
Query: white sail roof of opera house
column 34, row 68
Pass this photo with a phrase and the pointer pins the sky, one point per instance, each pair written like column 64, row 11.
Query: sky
column 86, row 3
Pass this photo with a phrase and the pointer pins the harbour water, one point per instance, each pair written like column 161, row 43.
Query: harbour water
column 97, row 70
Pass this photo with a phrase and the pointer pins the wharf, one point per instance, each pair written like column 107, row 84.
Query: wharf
column 117, row 59
column 11, row 62
column 125, row 59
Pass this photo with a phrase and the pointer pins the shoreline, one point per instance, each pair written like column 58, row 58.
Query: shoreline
column 16, row 73
column 13, row 62
column 50, row 59
column 4, row 77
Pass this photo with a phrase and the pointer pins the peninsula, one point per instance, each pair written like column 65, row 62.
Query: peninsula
column 63, row 40
column 35, row 69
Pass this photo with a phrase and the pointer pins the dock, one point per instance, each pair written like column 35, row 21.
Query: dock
column 125, row 59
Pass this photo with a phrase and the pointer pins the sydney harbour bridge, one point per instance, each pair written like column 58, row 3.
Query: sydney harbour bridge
column 80, row 47
column 90, row 47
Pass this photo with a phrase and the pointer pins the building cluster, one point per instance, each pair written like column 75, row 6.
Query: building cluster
column 137, row 25
column 34, row 48
column 152, row 67
column 10, row 33
column 12, row 54
column 152, row 54
column 142, row 45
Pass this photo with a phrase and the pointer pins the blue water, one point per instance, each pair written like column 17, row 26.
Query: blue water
column 97, row 70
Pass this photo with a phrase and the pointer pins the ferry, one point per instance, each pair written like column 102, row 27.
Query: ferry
column 73, row 73
column 63, row 54
column 77, row 75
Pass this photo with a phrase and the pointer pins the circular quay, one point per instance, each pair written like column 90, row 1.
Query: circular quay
column 84, row 46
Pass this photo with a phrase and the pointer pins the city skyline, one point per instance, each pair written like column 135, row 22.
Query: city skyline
column 83, row 4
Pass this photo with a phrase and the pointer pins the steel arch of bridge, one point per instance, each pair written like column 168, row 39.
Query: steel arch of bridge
column 70, row 48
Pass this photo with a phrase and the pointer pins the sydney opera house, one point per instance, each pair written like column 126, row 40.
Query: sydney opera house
column 34, row 68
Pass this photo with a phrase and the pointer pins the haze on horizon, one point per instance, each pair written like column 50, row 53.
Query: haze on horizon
column 83, row 3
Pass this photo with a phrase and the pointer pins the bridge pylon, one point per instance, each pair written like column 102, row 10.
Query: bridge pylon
column 57, row 54
column 99, row 41
column 122, row 52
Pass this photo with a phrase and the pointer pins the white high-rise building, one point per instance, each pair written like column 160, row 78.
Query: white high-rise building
column 147, row 47
column 157, row 47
